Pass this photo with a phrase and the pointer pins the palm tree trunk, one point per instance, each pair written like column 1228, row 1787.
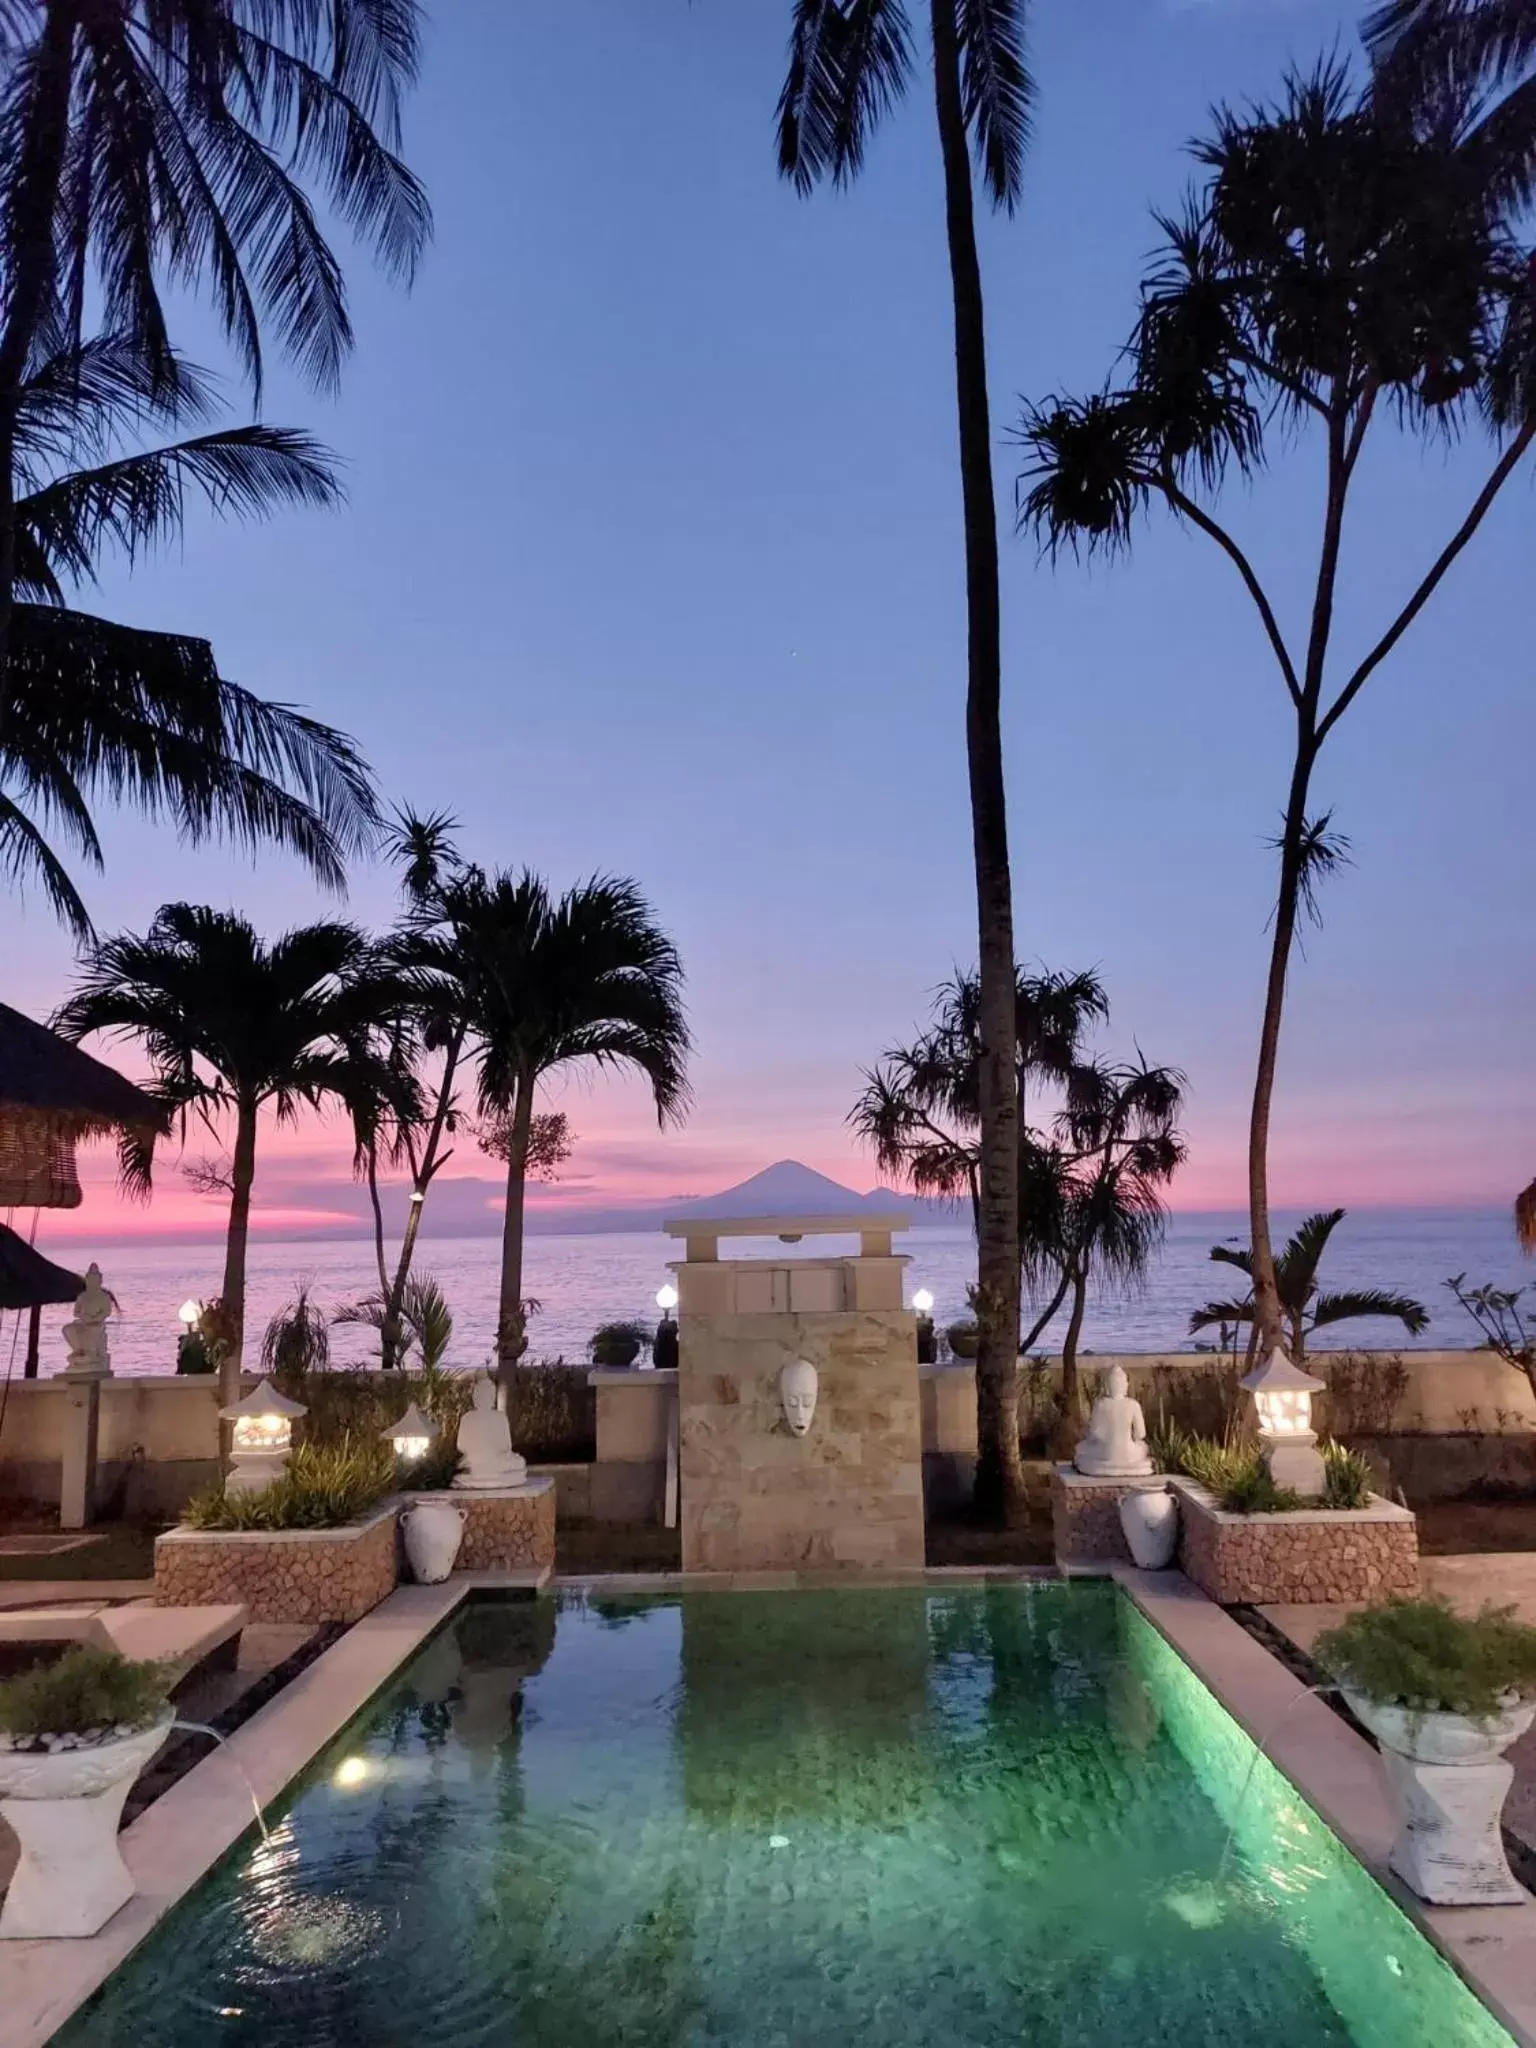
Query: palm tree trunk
column 232, row 1300
column 38, row 173
column 421, row 1180
column 511, row 1341
column 1000, row 1471
column 1071, row 1391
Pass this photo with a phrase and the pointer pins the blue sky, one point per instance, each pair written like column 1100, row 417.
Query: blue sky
column 652, row 564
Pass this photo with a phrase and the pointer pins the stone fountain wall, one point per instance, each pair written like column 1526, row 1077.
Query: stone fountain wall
column 754, row 1497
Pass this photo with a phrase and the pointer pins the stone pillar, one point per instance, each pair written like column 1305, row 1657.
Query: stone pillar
column 77, row 1467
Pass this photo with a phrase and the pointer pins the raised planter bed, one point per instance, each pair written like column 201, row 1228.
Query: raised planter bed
column 511, row 1530
column 282, row 1574
column 1342, row 1555
column 1085, row 1517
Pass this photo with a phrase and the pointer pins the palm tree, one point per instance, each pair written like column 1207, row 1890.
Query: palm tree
column 1343, row 263
column 534, row 983
column 850, row 60
column 182, row 143
column 423, row 1317
column 146, row 716
column 1446, row 54
column 1304, row 1309
column 233, row 1026
column 1525, row 1217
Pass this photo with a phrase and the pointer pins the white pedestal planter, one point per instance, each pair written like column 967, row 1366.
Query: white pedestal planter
column 1151, row 1525
column 65, row 1806
column 1449, row 1782
column 433, row 1532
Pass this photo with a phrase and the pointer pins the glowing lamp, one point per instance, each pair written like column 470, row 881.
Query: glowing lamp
column 666, row 1298
column 261, row 1439
column 412, row 1435
column 922, row 1301
column 189, row 1313
column 1282, row 1395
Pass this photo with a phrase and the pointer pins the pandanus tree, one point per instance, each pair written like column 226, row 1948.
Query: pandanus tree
column 145, row 718
column 234, row 1027
column 1348, row 266
column 172, row 146
column 1306, row 1310
column 850, row 61
column 528, row 984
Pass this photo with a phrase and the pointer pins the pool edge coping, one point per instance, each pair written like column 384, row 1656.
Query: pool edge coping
column 1491, row 1948
column 175, row 1842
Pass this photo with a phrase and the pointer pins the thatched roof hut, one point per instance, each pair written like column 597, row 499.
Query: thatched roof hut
column 28, row 1280
column 51, row 1096
column 1525, row 1217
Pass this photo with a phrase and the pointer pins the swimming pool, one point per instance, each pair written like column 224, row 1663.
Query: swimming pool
column 780, row 1820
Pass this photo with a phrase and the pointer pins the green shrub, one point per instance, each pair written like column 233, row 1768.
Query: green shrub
column 964, row 1339
column 1349, row 1482
column 1422, row 1655
column 433, row 1472
column 1250, row 1490
column 552, row 1413
column 84, row 1690
column 618, row 1343
column 325, row 1487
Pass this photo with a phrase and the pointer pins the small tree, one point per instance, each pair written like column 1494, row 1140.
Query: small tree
column 1303, row 1307
column 1501, row 1323
column 1346, row 261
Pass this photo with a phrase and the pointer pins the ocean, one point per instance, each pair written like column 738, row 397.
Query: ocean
column 582, row 1281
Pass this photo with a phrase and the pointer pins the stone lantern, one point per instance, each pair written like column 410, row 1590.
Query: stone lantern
column 1282, row 1394
column 262, row 1438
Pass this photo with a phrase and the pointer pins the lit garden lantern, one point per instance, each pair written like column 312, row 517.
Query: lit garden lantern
column 664, row 1346
column 189, row 1315
column 1282, row 1394
column 927, row 1341
column 411, row 1436
column 263, row 1437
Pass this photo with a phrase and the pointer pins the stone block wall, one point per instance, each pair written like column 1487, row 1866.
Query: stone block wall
column 281, row 1575
column 754, row 1497
column 506, row 1532
column 1085, row 1516
column 1315, row 1554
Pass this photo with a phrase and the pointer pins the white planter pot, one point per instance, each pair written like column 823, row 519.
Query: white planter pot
column 64, row 1806
column 1448, row 1781
column 1151, row 1524
column 433, row 1532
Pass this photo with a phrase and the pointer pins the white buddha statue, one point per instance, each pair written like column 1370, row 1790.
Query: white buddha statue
column 86, row 1333
column 485, row 1444
column 1116, row 1444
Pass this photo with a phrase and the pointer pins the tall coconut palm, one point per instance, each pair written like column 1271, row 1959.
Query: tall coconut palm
column 1476, row 60
column 850, row 61
column 535, row 984
column 145, row 717
column 156, row 145
column 1304, row 1309
column 234, row 1027
column 1343, row 264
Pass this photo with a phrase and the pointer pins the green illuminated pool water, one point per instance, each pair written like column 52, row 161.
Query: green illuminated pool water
column 784, row 1820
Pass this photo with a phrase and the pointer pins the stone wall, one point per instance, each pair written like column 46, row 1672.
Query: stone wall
column 282, row 1575
column 1085, row 1516
column 1315, row 1554
column 505, row 1532
column 755, row 1497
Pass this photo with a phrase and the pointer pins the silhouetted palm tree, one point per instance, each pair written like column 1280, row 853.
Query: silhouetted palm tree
column 180, row 144
column 535, row 983
column 1473, row 61
column 144, row 717
column 233, row 1026
column 850, row 60
column 1304, row 1309
column 1341, row 264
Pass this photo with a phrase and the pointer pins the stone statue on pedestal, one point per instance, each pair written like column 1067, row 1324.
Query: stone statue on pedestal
column 1116, row 1444
column 86, row 1333
column 485, row 1444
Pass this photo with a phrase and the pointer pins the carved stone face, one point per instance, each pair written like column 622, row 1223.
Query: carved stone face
column 797, row 1395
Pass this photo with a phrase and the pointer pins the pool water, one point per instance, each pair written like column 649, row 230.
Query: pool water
column 779, row 1820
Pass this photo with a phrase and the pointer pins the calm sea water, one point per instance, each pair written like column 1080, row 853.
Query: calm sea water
column 583, row 1281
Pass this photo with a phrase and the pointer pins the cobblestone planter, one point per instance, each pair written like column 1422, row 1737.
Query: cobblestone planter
column 1085, row 1516
column 282, row 1574
column 504, row 1531
column 1343, row 1555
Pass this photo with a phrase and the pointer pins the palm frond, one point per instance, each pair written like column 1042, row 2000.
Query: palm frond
column 26, row 856
column 1352, row 1304
column 1088, row 476
column 849, row 62
column 996, row 92
column 1217, row 1312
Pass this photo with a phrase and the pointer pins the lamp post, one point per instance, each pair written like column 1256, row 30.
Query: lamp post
column 664, row 1347
column 262, row 1437
column 927, row 1340
column 411, row 1436
column 1282, row 1394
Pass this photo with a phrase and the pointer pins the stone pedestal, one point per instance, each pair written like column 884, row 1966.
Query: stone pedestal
column 1450, row 1849
column 77, row 1469
column 1344, row 1555
column 1085, row 1516
column 506, row 1530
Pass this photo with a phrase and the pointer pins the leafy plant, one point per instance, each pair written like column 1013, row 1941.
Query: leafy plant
column 1496, row 1312
column 87, row 1690
column 1235, row 1472
column 618, row 1343
column 1251, row 1491
column 424, row 1322
column 297, row 1340
column 963, row 1339
column 1304, row 1309
column 433, row 1472
column 1348, row 1481
column 1423, row 1655
column 325, row 1487
column 552, row 1413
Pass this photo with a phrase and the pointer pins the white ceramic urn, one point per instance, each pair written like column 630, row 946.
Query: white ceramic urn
column 1448, row 1781
column 64, row 1806
column 1150, row 1520
column 434, row 1529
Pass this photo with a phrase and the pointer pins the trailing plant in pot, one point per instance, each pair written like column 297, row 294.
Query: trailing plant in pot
column 618, row 1344
column 74, row 1735
column 1445, row 1695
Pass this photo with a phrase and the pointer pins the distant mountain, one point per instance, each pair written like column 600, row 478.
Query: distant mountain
column 789, row 1189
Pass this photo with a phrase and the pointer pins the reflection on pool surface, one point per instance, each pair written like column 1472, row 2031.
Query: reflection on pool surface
column 883, row 1817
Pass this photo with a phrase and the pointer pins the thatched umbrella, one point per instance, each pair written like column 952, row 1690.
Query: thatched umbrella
column 28, row 1280
column 1525, row 1217
column 51, row 1096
